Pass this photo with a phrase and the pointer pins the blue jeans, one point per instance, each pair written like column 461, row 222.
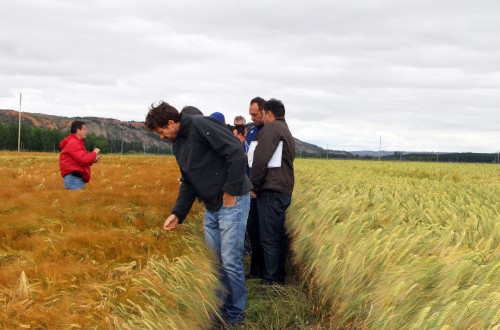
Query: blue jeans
column 72, row 182
column 271, row 206
column 225, row 236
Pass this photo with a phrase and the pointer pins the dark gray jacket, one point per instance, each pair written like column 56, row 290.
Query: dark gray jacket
column 211, row 161
column 280, row 179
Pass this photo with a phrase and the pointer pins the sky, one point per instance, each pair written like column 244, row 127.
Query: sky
column 417, row 75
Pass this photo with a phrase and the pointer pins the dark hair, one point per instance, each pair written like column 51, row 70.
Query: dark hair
column 240, row 129
column 276, row 107
column 76, row 125
column 158, row 116
column 260, row 102
column 192, row 111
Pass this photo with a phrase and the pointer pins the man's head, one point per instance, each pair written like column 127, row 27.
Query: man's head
column 78, row 128
column 272, row 110
column 240, row 132
column 255, row 110
column 219, row 116
column 163, row 119
column 192, row 111
column 239, row 120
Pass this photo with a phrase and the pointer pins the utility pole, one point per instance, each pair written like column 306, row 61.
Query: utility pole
column 327, row 151
column 379, row 148
column 19, row 130
column 121, row 151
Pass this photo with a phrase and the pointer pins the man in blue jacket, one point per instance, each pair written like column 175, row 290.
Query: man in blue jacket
column 212, row 165
column 257, row 258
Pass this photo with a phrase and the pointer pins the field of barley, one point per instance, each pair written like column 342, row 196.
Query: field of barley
column 379, row 245
column 98, row 258
column 394, row 245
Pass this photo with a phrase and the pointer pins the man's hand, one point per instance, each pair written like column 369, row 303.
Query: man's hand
column 171, row 222
column 228, row 200
column 253, row 194
column 97, row 150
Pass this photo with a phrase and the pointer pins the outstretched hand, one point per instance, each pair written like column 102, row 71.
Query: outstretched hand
column 171, row 222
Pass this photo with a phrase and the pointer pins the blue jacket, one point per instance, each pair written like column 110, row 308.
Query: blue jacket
column 251, row 136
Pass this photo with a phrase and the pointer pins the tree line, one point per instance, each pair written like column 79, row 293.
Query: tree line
column 48, row 139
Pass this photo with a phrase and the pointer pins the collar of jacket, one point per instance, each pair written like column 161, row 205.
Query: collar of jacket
column 73, row 135
column 185, row 120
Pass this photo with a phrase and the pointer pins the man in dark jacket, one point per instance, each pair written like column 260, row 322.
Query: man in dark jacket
column 74, row 160
column 212, row 165
column 272, row 176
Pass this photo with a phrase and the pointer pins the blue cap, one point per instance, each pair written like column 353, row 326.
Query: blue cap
column 219, row 116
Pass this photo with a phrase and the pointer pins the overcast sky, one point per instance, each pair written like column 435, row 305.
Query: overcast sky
column 423, row 75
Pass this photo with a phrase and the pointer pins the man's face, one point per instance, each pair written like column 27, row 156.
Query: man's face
column 169, row 132
column 81, row 133
column 255, row 113
column 266, row 117
column 238, row 135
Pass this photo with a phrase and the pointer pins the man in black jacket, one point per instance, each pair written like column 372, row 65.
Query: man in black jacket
column 272, row 176
column 212, row 165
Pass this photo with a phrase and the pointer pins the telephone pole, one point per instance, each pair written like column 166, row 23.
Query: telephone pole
column 379, row 148
column 19, row 130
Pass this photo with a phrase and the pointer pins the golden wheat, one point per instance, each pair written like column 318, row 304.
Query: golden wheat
column 98, row 258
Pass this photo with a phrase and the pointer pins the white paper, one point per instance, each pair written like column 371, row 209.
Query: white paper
column 275, row 159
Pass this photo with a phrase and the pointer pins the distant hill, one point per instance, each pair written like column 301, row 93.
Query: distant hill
column 114, row 129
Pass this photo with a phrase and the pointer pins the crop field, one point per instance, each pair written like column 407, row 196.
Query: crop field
column 391, row 245
column 379, row 245
column 98, row 258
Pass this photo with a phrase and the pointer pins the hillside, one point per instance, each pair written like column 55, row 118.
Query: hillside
column 113, row 129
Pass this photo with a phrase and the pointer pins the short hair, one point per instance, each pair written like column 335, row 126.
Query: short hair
column 76, row 125
column 260, row 102
column 240, row 129
column 193, row 111
column 240, row 118
column 276, row 107
column 158, row 116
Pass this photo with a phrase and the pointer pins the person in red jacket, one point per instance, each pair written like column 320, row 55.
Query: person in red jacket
column 74, row 160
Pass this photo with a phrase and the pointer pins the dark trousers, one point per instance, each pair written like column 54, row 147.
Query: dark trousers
column 271, row 206
column 257, row 259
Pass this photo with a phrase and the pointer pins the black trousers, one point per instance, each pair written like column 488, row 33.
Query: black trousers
column 271, row 206
column 257, row 259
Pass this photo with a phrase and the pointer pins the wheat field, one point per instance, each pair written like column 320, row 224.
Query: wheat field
column 391, row 245
column 98, row 258
column 380, row 245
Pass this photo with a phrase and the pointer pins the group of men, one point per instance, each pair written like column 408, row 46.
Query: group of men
column 243, row 189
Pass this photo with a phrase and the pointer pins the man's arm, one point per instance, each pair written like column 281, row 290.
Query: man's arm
column 221, row 140
column 185, row 200
column 80, row 155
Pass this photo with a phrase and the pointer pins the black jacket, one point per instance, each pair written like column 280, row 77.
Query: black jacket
column 211, row 161
column 280, row 179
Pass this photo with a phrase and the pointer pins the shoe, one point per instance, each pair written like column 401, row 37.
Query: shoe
column 251, row 277
column 267, row 282
column 218, row 324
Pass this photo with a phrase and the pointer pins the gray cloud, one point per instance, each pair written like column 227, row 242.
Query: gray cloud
column 423, row 75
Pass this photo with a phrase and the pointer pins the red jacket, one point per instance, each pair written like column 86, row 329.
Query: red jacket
column 74, row 157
